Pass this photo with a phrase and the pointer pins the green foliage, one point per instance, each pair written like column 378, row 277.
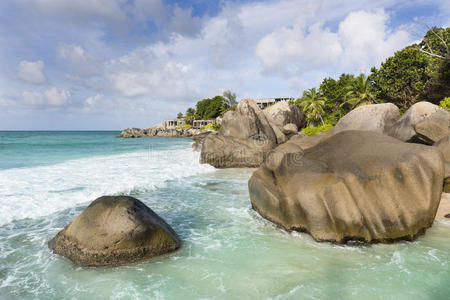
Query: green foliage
column 402, row 78
column 212, row 126
column 186, row 126
column 312, row 103
column 359, row 92
column 209, row 108
column 179, row 115
column 416, row 73
column 313, row 130
column 445, row 103
column 334, row 91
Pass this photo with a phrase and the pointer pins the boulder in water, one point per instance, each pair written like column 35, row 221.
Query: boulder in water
column 355, row 185
column 115, row 230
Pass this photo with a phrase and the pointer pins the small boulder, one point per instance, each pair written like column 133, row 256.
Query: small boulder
column 355, row 185
column 282, row 113
column 290, row 129
column 114, row 230
column 404, row 128
column 373, row 117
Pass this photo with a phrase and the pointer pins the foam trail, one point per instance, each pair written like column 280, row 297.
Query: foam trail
column 39, row 191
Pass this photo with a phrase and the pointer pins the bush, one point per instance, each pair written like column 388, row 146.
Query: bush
column 212, row 126
column 186, row 126
column 445, row 103
column 313, row 130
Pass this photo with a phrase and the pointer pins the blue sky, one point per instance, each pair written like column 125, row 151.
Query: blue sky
column 111, row 64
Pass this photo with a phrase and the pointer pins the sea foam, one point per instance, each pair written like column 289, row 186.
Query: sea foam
column 39, row 191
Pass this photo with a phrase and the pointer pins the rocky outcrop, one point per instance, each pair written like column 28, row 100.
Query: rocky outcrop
column 113, row 231
column 404, row 128
column 243, row 140
column 159, row 131
column 373, row 117
column 355, row 185
column 283, row 113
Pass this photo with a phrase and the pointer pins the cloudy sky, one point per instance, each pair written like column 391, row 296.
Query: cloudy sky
column 111, row 64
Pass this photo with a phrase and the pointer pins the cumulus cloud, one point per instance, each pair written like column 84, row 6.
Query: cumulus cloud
column 363, row 39
column 367, row 39
column 52, row 97
column 32, row 71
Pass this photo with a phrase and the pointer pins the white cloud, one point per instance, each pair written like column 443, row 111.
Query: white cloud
column 367, row 39
column 52, row 97
column 363, row 39
column 32, row 71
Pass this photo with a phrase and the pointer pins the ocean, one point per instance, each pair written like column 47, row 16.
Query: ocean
column 228, row 251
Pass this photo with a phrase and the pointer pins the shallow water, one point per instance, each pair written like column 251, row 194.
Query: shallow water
column 228, row 251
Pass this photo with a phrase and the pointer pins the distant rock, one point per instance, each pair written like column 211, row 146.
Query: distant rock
column 283, row 113
column 373, row 117
column 354, row 185
column 114, row 230
column 404, row 128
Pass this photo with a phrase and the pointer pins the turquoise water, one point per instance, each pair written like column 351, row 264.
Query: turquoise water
column 228, row 251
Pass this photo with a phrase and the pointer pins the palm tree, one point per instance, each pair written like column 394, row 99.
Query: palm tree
column 312, row 104
column 359, row 93
column 189, row 116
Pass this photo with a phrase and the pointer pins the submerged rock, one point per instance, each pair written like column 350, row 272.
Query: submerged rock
column 114, row 230
column 355, row 185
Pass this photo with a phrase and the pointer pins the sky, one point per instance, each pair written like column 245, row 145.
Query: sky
column 113, row 64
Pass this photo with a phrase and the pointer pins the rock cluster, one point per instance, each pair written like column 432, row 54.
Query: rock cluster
column 113, row 231
column 249, row 133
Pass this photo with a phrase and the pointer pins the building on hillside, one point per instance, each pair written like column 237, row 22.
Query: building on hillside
column 264, row 102
column 197, row 124
column 172, row 124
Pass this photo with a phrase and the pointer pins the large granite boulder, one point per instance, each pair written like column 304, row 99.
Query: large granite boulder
column 404, row 128
column 355, row 185
column 243, row 140
column 443, row 212
column 247, row 122
column 282, row 113
column 230, row 152
column 434, row 128
column 373, row 117
column 113, row 231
